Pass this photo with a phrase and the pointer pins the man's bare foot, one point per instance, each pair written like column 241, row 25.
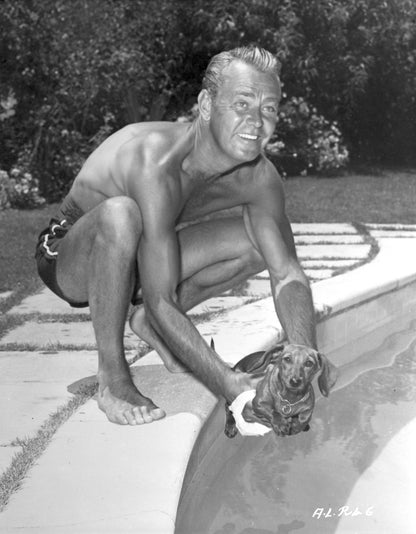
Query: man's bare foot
column 142, row 328
column 123, row 404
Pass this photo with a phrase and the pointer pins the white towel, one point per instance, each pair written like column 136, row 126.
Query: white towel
column 245, row 428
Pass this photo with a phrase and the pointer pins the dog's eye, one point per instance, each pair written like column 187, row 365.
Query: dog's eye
column 309, row 363
column 287, row 359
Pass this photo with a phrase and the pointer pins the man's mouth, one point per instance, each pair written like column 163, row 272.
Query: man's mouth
column 249, row 137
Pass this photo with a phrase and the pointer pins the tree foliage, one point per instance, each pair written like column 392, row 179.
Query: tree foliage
column 78, row 69
column 355, row 60
column 73, row 72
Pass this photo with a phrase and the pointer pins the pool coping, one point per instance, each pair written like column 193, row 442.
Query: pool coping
column 170, row 441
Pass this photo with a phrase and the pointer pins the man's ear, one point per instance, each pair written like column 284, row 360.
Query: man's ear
column 205, row 104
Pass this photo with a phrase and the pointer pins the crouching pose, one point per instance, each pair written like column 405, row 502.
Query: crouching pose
column 115, row 239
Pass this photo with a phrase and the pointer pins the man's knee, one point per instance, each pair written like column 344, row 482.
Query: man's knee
column 119, row 222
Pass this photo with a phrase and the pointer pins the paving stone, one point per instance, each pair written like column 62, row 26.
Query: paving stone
column 46, row 302
column 96, row 477
column 328, row 264
column 242, row 331
column 335, row 239
column 319, row 274
column 323, row 228
column 218, row 304
column 393, row 233
column 333, row 251
column 56, row 335
column 259, row 287
column 33, row 385
column 392, row 227
column 327, row 267
column 264, row 275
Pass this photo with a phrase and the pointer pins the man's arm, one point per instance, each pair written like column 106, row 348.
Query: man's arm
column 159, row 267
column 272, row 233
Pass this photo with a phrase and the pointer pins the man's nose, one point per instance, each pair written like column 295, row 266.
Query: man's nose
column 255, row 117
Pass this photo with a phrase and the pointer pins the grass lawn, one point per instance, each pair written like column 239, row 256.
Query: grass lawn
column 19, row 230
column 389, row 197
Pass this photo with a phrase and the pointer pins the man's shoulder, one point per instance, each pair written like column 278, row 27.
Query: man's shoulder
column 151, row 137
column 147, row 145
column 264, row 186
column 263, row 174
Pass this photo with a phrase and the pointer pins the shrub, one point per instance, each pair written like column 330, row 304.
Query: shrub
column 4, row 190
column 305, row 141
column 19, row 190
column 68, row 66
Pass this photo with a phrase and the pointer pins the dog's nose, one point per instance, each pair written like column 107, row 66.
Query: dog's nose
column 295, row 381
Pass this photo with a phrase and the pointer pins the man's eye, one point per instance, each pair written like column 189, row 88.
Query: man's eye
column 270, row 109
column 241, row 105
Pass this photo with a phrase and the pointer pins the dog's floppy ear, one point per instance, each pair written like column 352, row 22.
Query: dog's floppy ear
column 270, row 358
column 273, row 355
column 257, row 363
column 328, row 375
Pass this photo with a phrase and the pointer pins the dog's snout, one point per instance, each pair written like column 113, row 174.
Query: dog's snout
column 295, row 382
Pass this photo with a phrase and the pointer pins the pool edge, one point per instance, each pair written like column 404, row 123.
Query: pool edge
column 341, row 297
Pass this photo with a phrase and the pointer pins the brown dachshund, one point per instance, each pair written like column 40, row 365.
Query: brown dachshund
column 284, row 398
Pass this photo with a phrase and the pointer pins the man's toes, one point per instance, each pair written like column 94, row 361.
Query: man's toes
column 132, row 417
column 151, row 414
column 146, row 414
column 118, row 418
column 157, row 413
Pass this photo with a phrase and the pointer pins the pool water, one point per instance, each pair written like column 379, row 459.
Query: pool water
column 353, row 472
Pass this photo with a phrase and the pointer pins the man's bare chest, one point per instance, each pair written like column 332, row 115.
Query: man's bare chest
column 208, row 198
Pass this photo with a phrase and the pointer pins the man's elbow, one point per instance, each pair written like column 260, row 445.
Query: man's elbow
column 292, row 273
column 287, row 272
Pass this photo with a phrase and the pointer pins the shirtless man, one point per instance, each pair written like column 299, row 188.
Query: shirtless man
column 116, row 232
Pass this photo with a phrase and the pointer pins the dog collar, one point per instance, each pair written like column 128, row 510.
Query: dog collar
column 287, row 407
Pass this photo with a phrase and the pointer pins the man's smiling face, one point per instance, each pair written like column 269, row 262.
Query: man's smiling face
column 244, row 112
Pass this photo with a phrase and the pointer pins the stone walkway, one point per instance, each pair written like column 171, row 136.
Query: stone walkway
column 53, row 347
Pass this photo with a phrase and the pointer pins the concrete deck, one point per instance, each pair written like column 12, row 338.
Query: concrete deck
column 97, row 477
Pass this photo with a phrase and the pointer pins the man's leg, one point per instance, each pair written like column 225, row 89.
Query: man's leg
column 96, row 262
column 215, row 256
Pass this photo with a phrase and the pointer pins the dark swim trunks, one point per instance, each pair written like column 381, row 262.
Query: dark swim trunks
column 47, row 248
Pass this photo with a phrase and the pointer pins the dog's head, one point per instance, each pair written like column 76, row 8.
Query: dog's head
column 294, row 366
column 290, row 369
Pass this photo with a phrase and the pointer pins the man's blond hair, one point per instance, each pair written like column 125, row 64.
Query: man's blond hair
column 261, row 59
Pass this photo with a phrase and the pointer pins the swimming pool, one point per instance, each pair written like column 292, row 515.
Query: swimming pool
column 353, row 472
